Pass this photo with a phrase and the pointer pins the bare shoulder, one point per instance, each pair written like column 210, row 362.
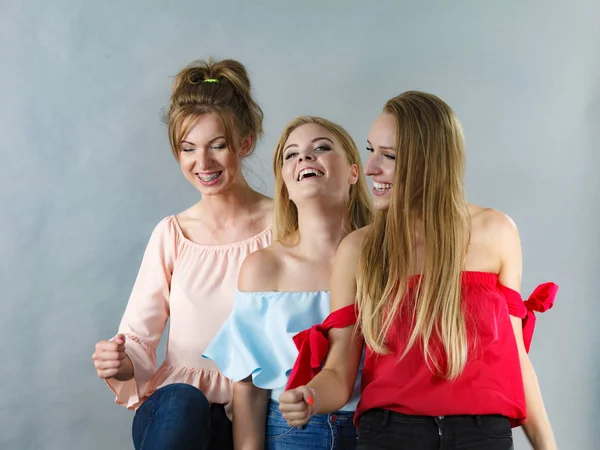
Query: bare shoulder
column 259, row 271
column 265, row 203
column 353, row 242
column 351, row 246
column 345, row 268
column 493, row 226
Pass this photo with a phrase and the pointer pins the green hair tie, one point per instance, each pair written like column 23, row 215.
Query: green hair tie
column 211, row 80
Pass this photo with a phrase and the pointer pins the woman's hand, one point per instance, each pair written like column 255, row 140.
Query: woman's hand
column 111, row 361
column 298, row 405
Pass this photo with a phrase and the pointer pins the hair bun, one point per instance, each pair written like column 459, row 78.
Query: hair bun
column 196, row 75
column 220, row 87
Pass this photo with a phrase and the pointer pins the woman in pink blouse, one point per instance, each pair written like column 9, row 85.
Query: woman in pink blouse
column 190, row 268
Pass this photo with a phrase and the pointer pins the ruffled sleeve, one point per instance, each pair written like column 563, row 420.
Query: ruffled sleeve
column 541, row 300
column 313, row 345
column 256, row 339
column 146, row 314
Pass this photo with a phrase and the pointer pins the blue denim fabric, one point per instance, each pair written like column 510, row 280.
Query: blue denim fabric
column 323, row 432
column 178, row 416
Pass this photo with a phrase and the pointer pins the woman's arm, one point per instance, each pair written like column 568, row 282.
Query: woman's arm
column 332, row 387
column 537, row 425
column 145, row 318
column 258, row 273
column 249, row 416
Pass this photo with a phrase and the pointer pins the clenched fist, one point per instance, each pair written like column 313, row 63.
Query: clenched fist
column 297, row 406
column 110, row 359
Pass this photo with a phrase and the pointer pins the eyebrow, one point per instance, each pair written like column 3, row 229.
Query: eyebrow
column 211, row 141
column 385, row 147
column 321, row 138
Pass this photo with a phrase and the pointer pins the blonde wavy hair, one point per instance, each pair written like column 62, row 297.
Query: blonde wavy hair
column 428, row 190
column 285, row 214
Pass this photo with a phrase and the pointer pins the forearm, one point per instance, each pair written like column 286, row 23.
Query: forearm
column 249, row 416
column 335, row 382
column 126, row 371
column 333, row 392
column 537, row 425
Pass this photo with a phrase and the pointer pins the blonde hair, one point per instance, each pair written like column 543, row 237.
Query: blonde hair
column 227, row 94
column 429, row 189
column 285, row 214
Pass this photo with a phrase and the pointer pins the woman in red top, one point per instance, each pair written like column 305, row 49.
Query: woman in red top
column 434, row 283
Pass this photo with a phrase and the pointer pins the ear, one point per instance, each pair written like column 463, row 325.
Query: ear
column 353, row 174
column 246, row 145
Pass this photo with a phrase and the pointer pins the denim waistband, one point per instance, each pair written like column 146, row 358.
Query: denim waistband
column 335, row 417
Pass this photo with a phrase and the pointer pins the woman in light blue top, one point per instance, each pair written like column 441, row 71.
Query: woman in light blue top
column 320, row 196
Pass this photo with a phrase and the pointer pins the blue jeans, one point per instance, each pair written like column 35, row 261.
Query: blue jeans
column 323, row 432
column 178, row 416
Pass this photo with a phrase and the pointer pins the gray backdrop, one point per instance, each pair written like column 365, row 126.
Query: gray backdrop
column 86, row 169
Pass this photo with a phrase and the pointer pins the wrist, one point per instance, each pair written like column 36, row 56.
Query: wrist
column 125, row 372
column 314, row 407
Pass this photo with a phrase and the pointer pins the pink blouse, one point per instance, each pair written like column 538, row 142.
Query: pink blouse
column 193, row 285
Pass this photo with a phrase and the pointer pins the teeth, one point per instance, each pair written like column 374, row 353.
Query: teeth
column 211, row 177
column 304, row 172
column 381, row 186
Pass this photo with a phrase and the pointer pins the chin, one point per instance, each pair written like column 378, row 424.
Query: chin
column 307, row 194
column 381, row 204
column 213, row 190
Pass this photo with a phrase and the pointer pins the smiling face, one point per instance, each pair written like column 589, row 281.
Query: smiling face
column 381, row 164
column 315, row 166
column 316, row 160
column 206, row 160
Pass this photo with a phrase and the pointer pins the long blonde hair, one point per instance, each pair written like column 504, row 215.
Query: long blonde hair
column 429, row 189
column 285, row 213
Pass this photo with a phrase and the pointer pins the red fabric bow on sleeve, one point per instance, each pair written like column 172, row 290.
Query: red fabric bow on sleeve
column 541, row 300
column 313, row 345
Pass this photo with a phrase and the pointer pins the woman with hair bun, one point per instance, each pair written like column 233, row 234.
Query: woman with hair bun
column 190, row 268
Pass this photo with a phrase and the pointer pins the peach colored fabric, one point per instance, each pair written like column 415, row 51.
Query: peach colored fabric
column 193, row 286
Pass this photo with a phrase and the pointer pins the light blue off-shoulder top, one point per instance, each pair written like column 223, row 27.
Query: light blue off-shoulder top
column 256, row 339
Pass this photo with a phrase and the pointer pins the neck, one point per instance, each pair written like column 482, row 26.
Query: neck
column 321, row 228
column 225, row 208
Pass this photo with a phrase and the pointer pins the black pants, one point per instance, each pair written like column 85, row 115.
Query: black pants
column 381, row 429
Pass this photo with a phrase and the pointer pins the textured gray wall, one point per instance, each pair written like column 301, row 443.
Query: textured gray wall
column 86, row 171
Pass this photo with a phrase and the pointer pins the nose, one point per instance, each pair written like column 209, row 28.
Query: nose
column 203, row 159
column 372, row 166
column 308, row 156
